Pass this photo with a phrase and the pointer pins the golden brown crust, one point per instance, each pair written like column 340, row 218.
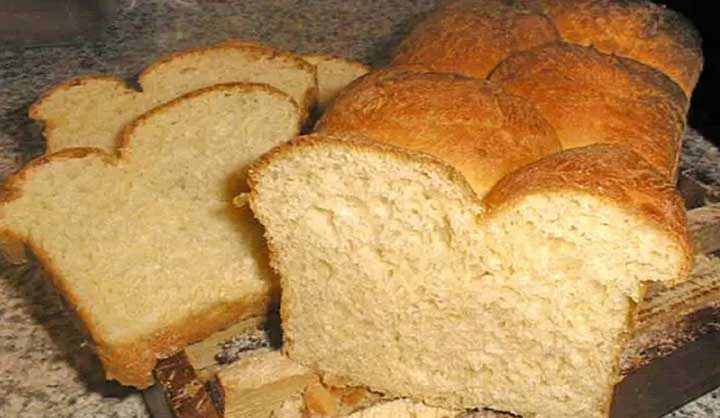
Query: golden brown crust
column 471, row 37
column 261, row 51
column 590, row 97
column 610, row 172
column 469, row 123
column 644, row 31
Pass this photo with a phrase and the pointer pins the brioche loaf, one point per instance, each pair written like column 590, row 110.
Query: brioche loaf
column 397, row 277
column 146, row 245
column 589, row 97
column 333, row 74
column 92, row 111
column 472, row 36
column 469, row 122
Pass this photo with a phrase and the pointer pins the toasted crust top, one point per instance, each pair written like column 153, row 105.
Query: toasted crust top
column 471, row 37
column 608, row 171
column 644, row 31
column 469, row 123
column 590, row 97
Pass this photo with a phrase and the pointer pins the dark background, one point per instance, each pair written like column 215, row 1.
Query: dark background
column 704, row 112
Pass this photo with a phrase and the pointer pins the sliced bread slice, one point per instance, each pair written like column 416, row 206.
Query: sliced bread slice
column 92, row 111
column 333, row 75
column 397, row 277
column 146, row 245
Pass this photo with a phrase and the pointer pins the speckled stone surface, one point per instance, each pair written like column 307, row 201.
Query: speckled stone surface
column 45, row 368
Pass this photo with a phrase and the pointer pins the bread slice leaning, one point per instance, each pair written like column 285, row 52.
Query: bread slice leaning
column 333, row 75
column 146, row 246
column 92, row 111
column 397, row 277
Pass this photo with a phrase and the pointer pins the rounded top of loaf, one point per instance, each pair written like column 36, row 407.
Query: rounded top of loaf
column 644, row 31
column 590, row 97
column 471, row 124
column 471, row 37
column 610, row 172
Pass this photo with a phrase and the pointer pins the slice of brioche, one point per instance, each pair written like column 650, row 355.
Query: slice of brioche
column 642, row 30
column 471, row 37
column 92, row 111
column 590, row 97
column 146, row 246
column 397, row 277
column 468, row 122
column 333, row 75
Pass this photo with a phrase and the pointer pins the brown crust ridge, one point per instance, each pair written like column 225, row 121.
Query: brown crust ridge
column 132, row 363
column 471, row 37
column 466, row 122
column 590, row 97
column 641, row 30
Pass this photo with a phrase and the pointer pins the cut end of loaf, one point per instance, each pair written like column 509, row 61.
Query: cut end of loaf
column 415, row 291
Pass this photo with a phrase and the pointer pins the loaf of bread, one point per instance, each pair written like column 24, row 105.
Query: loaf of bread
column 472, row 36
column 145, row 245
column 470, row 123
column 396, row 276
column 92, row 111
column 333, row 75
column 590, row 97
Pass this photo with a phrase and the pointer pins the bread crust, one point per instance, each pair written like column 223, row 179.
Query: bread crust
column 471, row 37
column 590, row 97
column 610, row 172
column 644, row 31
column 466, row 122
column 132, row 363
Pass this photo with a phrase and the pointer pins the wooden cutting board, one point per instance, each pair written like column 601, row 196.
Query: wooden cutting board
column 672, row 358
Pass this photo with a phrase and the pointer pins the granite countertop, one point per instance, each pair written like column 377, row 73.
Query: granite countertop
column 45, row 368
